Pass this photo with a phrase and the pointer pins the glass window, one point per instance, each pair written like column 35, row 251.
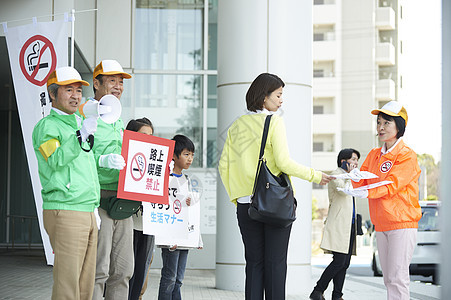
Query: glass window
column 429, row 220
column 318, row 73
column 212, row 91
column 318, row 146
column 168, row 35
column 318, row 109
column 212, row 34
column 318, row 37
column 170, row 41
column 174, row 105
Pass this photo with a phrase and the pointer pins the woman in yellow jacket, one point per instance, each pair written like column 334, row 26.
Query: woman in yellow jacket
column 394, row 208
column 265, row 246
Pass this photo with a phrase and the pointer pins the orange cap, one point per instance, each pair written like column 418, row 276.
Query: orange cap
column 65, row 76
column 392, row 108
column 109, row 67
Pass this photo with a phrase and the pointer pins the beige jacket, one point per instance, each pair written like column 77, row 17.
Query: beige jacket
column 337, row 227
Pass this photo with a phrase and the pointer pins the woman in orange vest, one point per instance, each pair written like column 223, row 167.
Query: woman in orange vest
column 394, row 208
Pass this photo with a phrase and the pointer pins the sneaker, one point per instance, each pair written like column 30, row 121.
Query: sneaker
column 317, row 295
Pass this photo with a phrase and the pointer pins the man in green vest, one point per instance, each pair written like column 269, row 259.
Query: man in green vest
column 70, row 187
column 115, row 259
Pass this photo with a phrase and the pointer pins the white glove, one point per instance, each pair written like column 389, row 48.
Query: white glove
column 98, row 220
column 112, row 161
column 171, row 166
column 89, row 127
column 349, row 190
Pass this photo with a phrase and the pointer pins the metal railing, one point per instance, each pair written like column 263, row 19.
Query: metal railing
column 23, row 219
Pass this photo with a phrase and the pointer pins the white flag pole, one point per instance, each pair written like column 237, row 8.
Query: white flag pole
column 72, row 38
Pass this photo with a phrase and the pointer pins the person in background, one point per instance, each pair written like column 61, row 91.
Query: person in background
column 394, row 208
column 339, row 235
column 143, row 244
column 70, row 187
column 115, row 260
column 174, row 257
column 265, row 246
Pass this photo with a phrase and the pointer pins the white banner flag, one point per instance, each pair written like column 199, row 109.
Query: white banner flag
column 36, row 50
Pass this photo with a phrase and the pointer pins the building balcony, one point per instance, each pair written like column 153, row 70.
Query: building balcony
column 385, row 18
column 325, row 161
column 325, row 86
column 325, row 14
column 325, row 123
column 385, row 90
column 385, row 54
column 325, row 50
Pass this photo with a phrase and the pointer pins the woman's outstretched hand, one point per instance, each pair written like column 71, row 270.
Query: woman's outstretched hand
column 325, row 179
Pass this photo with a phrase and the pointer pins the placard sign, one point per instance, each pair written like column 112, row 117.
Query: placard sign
column 146, row 174
column 175, row 223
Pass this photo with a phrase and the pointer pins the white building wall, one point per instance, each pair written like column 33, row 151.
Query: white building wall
column 367, row 37
column 114, row 31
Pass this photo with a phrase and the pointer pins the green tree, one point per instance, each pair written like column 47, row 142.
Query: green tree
column 427, row 161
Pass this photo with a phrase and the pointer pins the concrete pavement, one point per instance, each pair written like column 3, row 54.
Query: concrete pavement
column 25, row 275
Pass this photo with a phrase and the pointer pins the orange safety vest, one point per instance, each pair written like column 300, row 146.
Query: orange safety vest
column 393, row 206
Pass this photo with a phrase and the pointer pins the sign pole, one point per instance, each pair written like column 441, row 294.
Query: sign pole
column 72, row 39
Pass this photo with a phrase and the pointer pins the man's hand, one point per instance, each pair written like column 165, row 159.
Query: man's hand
column 89, row 127
column 112, row 161
column 188, row 201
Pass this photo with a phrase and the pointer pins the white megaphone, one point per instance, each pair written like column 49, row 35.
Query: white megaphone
column 108, row 108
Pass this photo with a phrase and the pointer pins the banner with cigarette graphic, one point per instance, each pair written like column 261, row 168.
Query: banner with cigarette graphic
column 35, row 51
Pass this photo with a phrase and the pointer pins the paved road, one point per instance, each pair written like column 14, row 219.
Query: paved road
column 25, row 275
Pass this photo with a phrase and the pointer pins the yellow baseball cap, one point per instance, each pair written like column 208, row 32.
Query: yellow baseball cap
column 392, row 108
column 110, row 67
column 65, row 76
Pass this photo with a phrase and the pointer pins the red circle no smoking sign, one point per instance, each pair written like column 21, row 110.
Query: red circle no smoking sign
column 138, row 166
column 37, row 59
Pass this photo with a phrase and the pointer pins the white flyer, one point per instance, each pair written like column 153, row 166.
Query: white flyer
column 368, row 187
column 356, row 175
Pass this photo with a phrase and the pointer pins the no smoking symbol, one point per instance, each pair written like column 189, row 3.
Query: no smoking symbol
column 37, row 59
column 138, row 166
column 177, row 206
column 386, row 166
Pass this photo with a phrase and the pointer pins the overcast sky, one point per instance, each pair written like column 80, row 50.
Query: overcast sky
column 422, row 76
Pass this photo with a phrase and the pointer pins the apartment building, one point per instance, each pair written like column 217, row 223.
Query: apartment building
column 357, row 66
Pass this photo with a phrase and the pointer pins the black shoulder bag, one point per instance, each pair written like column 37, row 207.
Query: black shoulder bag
column 272, row 199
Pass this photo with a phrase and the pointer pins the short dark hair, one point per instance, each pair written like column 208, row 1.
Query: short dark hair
column 53, row 91
column 399, row 122
column 100, row 79
column 135, row 125
column 261, row 87
column 182, row 142
column 346, row 154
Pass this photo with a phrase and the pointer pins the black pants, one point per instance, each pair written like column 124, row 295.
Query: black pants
column 336, row 270
column 143, row 245
column 266, row 250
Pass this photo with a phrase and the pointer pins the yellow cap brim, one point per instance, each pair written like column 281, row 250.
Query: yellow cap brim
column 390, row 113
column 387, row 112
column 125, row 75
column 66, row 82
